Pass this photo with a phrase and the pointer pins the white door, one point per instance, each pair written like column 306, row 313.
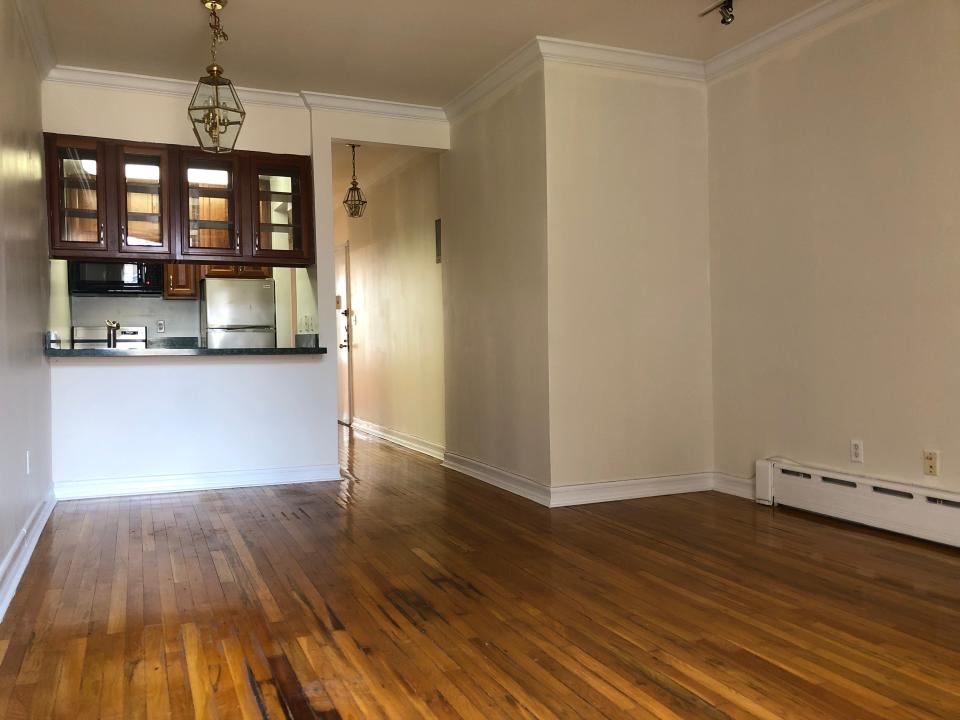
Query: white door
column 344, row 320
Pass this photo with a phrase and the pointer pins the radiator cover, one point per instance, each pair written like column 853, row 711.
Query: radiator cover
column 923, row 512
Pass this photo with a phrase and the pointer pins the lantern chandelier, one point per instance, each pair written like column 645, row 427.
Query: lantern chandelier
column 216, row 113
column 354, row 201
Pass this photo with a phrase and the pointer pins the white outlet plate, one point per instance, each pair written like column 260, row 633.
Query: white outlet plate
column 856, row 451
column 161, row 326
column 931, row 463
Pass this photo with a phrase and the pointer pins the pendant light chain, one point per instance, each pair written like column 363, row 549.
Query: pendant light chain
column 217, row 34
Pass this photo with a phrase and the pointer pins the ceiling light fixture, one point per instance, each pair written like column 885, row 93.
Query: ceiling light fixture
column 216, row 113
column 354, row 201
column 726, row 11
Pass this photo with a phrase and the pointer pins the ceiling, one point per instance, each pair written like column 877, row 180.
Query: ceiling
column 417, row 51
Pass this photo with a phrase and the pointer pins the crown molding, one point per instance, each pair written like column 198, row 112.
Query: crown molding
column 496, row 80
column 369, row 106
column 162, row 86
column 542, row 49
column 38, row 37
column 807, row 21
column 602, row 56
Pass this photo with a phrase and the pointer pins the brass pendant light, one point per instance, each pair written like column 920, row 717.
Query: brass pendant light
column 355, row 202
column 216, row 113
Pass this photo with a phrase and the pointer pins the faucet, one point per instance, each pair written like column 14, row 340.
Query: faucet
column 112, row 327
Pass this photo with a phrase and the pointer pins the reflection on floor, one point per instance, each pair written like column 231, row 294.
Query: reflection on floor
column 411, row 591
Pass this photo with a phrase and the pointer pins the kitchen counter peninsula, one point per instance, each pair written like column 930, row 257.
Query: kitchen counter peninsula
column 180, row 352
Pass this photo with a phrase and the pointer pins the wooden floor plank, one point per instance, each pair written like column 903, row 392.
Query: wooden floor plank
column 408, row 590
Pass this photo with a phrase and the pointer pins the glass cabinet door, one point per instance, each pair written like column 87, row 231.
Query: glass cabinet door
column 281, row 211
column 144, row 225
column 80, row 221
column 210, row 208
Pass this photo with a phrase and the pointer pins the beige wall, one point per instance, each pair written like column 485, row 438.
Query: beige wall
column 629, row 289
column 835, row 171
column 397, row 300
column 495, row 284
column 154, row 117
column 24, row 282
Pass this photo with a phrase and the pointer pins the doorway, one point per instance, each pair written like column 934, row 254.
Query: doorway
column 389, row 289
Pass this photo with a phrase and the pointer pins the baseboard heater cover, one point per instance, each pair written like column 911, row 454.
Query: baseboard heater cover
column 923, row 512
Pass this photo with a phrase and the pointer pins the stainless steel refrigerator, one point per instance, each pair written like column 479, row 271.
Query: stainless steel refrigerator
column 237, row 313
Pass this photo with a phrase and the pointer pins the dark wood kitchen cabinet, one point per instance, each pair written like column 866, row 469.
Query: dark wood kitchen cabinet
column 211, row 192
column 255, row 272
column 281, row 207
column 118, row 200
column 181, row 281
column 108, row 200
column 143, row 201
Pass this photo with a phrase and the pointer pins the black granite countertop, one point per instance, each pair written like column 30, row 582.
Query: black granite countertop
column 182, row 352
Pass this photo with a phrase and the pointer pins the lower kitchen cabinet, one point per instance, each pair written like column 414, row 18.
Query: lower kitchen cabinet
column 181, row 282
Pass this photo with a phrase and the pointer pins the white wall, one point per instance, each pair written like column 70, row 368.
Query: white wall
column 135, row 419
column 122, row 113
column 628, row 284
column 835, row 171
column 495, row 283
column 24, row 282
column 397, row 302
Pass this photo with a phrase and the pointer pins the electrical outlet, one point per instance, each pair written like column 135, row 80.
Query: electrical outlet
column 161, row 326
column 28, row 462
column 931, row 463
column 856, row 451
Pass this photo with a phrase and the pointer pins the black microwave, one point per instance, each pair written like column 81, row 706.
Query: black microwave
column 115, row 278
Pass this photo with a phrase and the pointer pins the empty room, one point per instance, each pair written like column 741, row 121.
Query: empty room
column 434, row 359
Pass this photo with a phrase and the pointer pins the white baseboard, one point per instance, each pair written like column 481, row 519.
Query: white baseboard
column 15, row 562
column 149, row 485
column 733, row 485
column 503, row 479
column 564, row 496
column 408, row 441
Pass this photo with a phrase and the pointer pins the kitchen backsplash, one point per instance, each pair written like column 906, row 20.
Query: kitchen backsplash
column 181, row 317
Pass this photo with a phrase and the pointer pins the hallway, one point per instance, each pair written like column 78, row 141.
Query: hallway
column 412, row 591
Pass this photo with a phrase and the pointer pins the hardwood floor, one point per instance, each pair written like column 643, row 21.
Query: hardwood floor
column 412, row 591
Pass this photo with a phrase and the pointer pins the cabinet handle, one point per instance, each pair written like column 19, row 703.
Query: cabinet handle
column 101, row 233
column 171, row 282
column 257, row 241
column 123, row 234
column 238, row 241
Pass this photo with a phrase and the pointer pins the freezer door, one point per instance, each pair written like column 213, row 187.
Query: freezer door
column 237, row 303
column 235, row 339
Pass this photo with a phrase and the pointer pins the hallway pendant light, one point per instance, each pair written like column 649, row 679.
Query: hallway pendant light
column 216, row 113
column 354, row 201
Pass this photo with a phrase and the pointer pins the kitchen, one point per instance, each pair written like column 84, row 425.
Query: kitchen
column 162, row 249
column 153, row 234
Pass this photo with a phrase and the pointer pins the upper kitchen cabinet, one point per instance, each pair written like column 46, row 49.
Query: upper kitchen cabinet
column 112, row 199
column 108, row 200
column 211, row 207
column 144, row 201
column 78, row 177
column 282, row 208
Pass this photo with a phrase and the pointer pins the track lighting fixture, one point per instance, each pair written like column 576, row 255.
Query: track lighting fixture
column 726, row 11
